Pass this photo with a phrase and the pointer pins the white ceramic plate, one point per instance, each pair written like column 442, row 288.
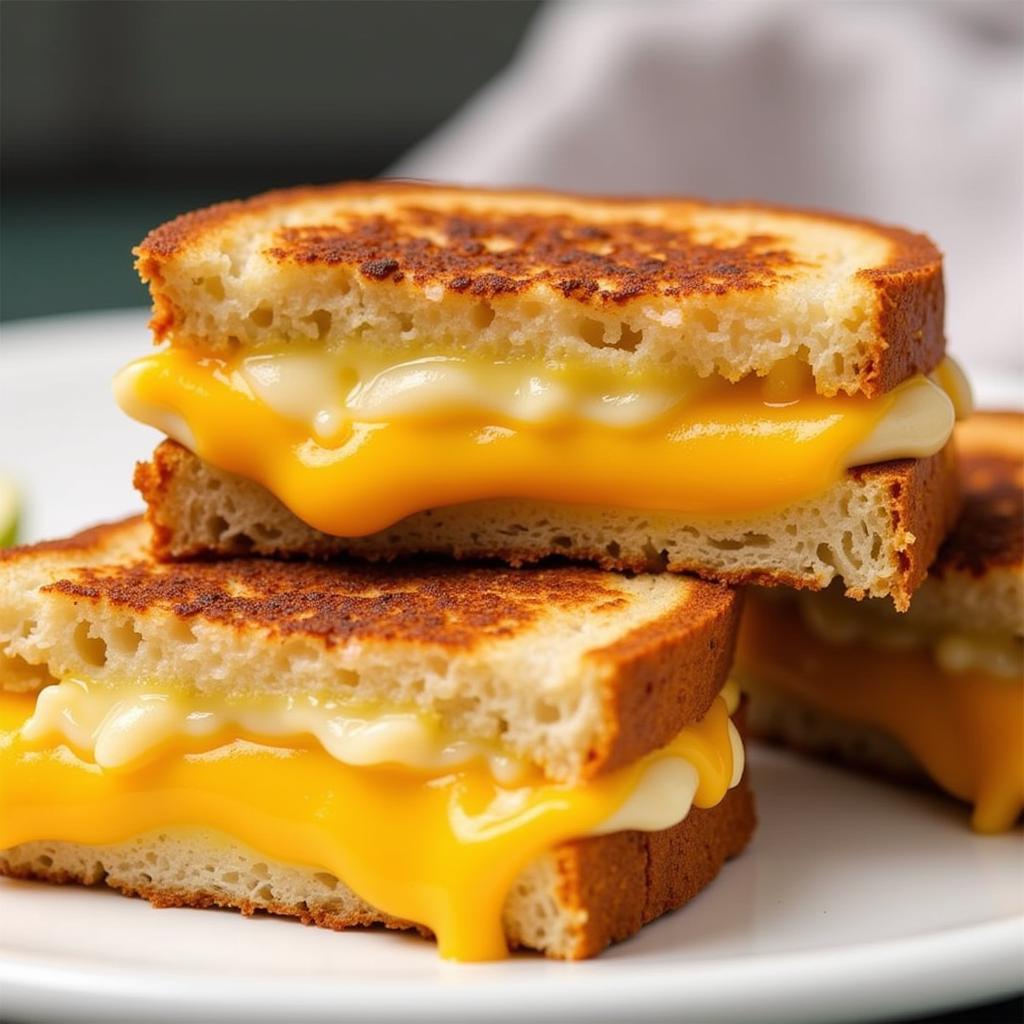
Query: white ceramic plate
column 857, row 900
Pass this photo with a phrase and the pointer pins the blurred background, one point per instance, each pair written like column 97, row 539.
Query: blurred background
column 118, row 115
column 115, row 116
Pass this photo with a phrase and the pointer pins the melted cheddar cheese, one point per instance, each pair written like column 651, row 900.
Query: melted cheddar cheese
column 965, row 728
column 441, row 848
column 352, row 449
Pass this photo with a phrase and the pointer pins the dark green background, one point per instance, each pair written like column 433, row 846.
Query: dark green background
column 116, row 116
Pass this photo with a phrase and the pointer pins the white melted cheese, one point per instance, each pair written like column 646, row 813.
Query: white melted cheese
column 328, row 393
column 967, row 652
column 325, row 392
column 919, row 424
column 332, row 394
column 118, row 729
column 665, row 792
column 838, row 620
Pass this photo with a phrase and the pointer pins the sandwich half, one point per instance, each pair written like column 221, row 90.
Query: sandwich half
column 541, row 758
column 747, row 393
column 937, row 693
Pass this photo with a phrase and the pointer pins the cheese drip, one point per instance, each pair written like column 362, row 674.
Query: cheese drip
column 441, row 849
column 965, row 728
column 353, row 450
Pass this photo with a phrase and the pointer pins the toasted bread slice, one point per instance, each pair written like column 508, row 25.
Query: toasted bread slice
column 645, row 285
column 570, row 903
column 935, row 693
column 977, row 580
column 576, row 670
column 877, row 529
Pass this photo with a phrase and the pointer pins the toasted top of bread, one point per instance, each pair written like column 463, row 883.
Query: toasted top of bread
column 977, row 580
column 989, row 536
column 642, row 284
column 574, row 669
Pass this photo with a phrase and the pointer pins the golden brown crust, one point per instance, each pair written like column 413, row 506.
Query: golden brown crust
column 153, row 481
column 89, row 542
column 418, row 601
column 666, row 674
column 620, row 882
column 203, row 899
column 610, row 264
column 911, row 311
column 467, row 250
column 626, row 880
column 926, row 502
column 990, row 532
column 910, row 252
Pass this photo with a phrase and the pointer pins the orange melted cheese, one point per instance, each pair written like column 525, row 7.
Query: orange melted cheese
column 726, row 449
column 439, row 849
column 966, row 729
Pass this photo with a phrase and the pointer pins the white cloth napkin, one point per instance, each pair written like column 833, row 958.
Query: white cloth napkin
column 910, row 113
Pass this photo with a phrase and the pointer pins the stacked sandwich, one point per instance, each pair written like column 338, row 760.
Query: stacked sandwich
column 936, row 693
column 390, row 645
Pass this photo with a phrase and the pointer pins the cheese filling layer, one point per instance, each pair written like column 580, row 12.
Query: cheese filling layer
column 835, row 619
column 119, row 727
column 438, row 846
column 352, row 445
column 954, row 705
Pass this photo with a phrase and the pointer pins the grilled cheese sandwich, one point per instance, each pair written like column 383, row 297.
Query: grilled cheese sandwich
column 945, row 681
column 432, row 770
column 376, row 355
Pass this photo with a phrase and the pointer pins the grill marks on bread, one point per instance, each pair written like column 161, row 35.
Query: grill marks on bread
column 488, row 255
column 434, row 603
column 990, row 532
column 578, row 672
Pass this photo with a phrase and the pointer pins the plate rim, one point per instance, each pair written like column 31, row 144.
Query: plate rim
column 795, row 984
column 939, row 965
